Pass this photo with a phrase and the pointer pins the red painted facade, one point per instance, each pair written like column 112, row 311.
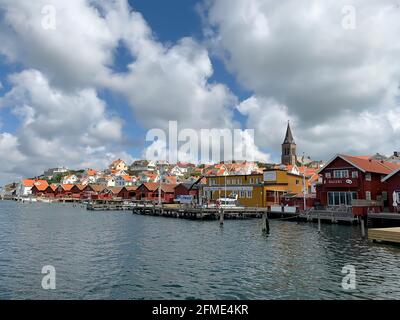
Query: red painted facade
column 355, row 184
column 149, row 192
column 393, row 186
column 183, row 190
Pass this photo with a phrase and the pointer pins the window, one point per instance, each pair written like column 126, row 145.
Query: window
column 341, row 198
column 341, row 173
column 368, row 177
column 328, row 175
column 249, row 194
column 251, row 180
column 297, row 182
column 368, row 195
column 354, row 174
column 242, row 194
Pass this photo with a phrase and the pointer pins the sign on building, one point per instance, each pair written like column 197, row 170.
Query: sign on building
column 185, row 199
column 270, row 176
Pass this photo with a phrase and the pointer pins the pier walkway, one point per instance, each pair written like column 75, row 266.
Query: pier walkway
column 198, row 213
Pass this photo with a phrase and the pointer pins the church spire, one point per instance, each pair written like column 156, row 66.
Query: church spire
column 289, row 156
column 289, row 136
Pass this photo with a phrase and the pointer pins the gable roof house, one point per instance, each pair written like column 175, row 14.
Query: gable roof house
column 118, row 165
column 355, row 180
column 25, row 188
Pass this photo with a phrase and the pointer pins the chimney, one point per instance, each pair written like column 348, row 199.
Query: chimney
column 396, row 154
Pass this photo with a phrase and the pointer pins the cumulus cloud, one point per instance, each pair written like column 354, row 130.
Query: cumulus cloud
column 68, row 52
column 73, row 54
column 326, row 78
column 362, row 133
column 57, row 128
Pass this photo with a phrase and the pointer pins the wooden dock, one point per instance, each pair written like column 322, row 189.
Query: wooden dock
column 194, row 213
column 109, row 206
column 314, row 215
column 390, row 235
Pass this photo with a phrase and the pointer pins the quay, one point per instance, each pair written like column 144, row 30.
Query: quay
column 311, row 215
column 198, row 213
column 385, row 235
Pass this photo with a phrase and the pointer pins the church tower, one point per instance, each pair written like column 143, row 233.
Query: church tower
column 289, row 148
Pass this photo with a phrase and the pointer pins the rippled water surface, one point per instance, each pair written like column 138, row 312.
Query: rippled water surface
column 118, row 255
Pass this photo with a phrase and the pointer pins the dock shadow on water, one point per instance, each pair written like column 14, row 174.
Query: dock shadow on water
column 119, row 255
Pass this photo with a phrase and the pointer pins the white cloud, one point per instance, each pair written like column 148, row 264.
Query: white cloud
column 338, row 86
column 62, row 119
column 363, row 133
column 57, row 127
column 74, row 54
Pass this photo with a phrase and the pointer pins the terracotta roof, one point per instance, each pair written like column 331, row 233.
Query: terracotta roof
column 132, row 188
column 91, row 172
column 369, row 165
column 97, row 187
column 168, row 188
column 127, row 178
column 115, row 190
column 41, row 185
column 151, row 186
column 80, row 186
column 67, row 187
column 34, row 182
column 171, row 179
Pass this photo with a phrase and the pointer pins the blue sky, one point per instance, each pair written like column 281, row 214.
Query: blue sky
column 170, row 21
column 72, row 99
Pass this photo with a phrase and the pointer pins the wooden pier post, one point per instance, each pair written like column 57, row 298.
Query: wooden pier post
column 265, row 222
column 221, row 217
column 362, row 227
column 319, row 223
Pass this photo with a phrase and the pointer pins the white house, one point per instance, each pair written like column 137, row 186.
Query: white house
column 118, row 165
column 108, row 181
column 178, row 171
column 88, row 180
column 143, row 165
column 70, row 179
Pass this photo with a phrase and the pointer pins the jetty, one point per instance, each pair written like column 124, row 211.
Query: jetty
column 109, row 205
column 198, row 213
column 312, row 215
column 389, row 235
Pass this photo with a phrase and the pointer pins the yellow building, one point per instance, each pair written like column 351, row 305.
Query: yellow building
column 278, row 182
column 255, row 190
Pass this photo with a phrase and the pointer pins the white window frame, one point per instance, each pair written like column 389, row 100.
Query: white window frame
column 368, row 177
column 340, row 174
column 354, row 174
column 328, row 175
column 249, row 194
column 368, row 195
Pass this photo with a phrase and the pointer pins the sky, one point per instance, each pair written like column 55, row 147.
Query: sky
column 82, row 82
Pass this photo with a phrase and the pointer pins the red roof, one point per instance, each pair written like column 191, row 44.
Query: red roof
column 151, row 186
column 168, row 188
column 370, row 165
column 40, row 185
column 91, row 172
column 35, row 182
column 67, row 187
column 171, row 179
